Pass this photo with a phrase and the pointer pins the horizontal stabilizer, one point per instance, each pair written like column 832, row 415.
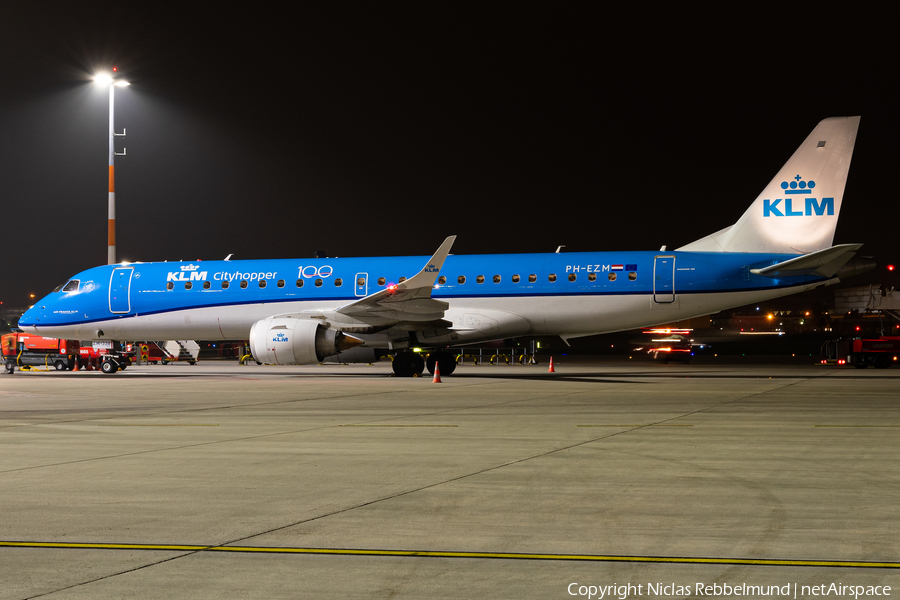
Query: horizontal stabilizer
column 824, row 263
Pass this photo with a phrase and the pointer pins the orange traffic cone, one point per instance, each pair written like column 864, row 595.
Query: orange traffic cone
column 437, row 373
column 552, row 370
column 75, row 366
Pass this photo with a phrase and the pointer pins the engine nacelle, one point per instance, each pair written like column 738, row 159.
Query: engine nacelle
column 289, row 341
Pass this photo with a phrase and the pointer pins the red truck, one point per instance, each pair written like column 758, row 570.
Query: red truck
column 20, row 349
column 881, row 352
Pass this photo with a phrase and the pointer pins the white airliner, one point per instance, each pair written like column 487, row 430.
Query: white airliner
column 299, row 311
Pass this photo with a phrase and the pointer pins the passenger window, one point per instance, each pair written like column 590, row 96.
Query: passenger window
column 496, row 279
column 479, row 279
column 318, row 283
column 299, row 283
column 532, row 278
column 262, row 283
column 442, row 280
column 361, row 281
column 281, row 283
column 461, row 279
column 72, row 286
column 612, row 276
column 243, row 284
column 572, row 277
column 592, row 277
column 170, row 286
column 381, row 281
column 224, row 285
column 515, row 279
column 552, row 277
column 206, row 285
column 401, row 280
column 632, row 276
column 188, row 285
column 338, row 282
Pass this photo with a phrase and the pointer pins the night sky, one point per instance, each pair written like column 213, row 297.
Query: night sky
column 379, row 129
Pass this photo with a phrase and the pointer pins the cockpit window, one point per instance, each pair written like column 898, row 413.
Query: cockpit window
column 59, row 288
column 71, row 286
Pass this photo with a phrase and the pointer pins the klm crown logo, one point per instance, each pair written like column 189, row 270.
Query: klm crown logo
column 811, row 206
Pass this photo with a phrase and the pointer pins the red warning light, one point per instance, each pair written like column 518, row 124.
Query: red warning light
column 115, row 68
column 890, row 267
column 857, row 327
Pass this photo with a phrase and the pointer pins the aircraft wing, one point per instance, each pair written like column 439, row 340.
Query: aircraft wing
column 409, row 300
column 825, row 262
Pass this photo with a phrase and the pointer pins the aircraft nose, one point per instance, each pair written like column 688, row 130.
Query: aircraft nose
column 30, row 319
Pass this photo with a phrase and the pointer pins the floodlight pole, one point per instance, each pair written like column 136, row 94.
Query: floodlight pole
column 111, row 215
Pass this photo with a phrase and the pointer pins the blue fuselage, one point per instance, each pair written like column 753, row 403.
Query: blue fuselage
column 592, row 292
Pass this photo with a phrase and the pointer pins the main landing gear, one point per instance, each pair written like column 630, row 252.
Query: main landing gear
column 411, row 364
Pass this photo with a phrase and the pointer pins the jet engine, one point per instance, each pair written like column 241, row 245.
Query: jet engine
column 289, row 341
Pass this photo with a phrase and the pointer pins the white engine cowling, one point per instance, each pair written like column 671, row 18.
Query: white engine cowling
column 289, row 341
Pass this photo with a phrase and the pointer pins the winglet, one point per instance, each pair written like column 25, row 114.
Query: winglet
column 429, row 274
column 412, row 297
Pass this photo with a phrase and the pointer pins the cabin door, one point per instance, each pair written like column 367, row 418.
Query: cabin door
column 120, row 290
column 664, row 279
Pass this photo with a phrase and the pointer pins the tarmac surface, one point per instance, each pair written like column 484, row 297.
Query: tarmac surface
column 226, row 481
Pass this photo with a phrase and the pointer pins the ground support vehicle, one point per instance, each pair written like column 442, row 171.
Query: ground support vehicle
column 103, row 356
column 880, row 353
column 152, row 353
column 31, row 350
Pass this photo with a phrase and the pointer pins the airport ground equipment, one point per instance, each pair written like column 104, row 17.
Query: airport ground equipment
column 183, row 350
column 28, row 349
column 151, row 353
column 869, row 298
column 880, row 353
column 105, row 356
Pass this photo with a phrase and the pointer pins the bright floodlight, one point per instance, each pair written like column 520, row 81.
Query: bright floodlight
column 103, row 79
column 121, row 83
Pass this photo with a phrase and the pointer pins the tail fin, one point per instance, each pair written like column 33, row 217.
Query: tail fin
column 798, row 211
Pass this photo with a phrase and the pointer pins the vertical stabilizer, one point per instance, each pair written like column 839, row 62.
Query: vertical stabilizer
column 798, row 211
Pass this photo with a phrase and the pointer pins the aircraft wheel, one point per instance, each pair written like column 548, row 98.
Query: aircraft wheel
column 408, row 364
column 419, row 363
column 59, row 365
column 444, row 359
column 109, row 366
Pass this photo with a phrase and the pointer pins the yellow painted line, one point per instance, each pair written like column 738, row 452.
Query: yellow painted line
column 68, row 545
column 398, row 425
column 443, row 554
column 638, row 425
column 158, row 424
column 856, row 425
